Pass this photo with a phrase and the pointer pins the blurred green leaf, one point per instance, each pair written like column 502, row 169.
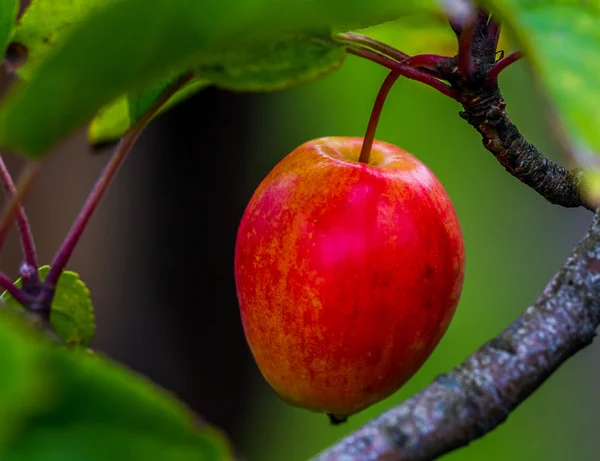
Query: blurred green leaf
column 87, row 408
column 561, row 39
column 127, row 46
column 8, row 15
column 278, row 65
column 21, row 387
column 72, row 313
column 46, row 22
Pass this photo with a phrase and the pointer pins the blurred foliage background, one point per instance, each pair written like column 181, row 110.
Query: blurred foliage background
column 158, row 256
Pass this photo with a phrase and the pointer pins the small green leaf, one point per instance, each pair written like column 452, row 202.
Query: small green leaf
column 114, row 119
column 72, row 313
column 128, row 46
column 59, row 405
column 561, row 39
column 110, row 122
column 8, row 15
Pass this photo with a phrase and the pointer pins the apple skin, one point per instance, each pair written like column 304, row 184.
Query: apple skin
column 347, row 274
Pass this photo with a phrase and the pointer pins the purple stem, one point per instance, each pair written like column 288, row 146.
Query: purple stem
column 66, row 250
column 424, row 60
column 465, row 45
column 387, row 85
column 367, row 42
column 493, row 31
column 11, row 209
column 123, row 148
column 29, row 274
column 406, row 71
column 492, row 76
column 19, row 295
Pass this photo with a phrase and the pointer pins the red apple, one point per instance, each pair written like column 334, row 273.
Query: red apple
column 347, row 273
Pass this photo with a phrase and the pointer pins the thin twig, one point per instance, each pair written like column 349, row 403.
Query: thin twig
column 352, row 39
column 430, row 61
column 477, row 396
column 406, row 71
column 11, row 208
column 19, row 295
column 492, row 76
column 123, row 148
column 27, row 240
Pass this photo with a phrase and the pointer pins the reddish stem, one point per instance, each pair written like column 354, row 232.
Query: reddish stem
column 465, row 45
column 363, row 41
column 492, row 76
column 406, row 71
column 123, row 148
column 12, row 207
column 29, row 273
column 493, row 31
column 367, row 145
column 424, row 60
column 19, row 295
column 62, row 257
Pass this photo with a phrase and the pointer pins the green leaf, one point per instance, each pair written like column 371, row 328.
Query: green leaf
column 88, row 408
column 8, row 15
column 72, row 313
column 276, row 66
column 45, row 23
column 273, row 66
column 561, row 39
column 127, row 46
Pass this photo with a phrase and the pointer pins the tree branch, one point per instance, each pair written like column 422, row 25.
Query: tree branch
column 485, row 110
column 477, row 396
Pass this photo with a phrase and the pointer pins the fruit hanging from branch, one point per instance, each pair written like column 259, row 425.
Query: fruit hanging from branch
column 349, row 264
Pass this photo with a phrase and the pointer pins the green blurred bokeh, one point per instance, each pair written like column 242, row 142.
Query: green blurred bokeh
column 515, row 241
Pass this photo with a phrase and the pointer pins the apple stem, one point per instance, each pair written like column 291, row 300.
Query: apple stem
column 369, row 138
column 30, row 266
column 123, row 148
